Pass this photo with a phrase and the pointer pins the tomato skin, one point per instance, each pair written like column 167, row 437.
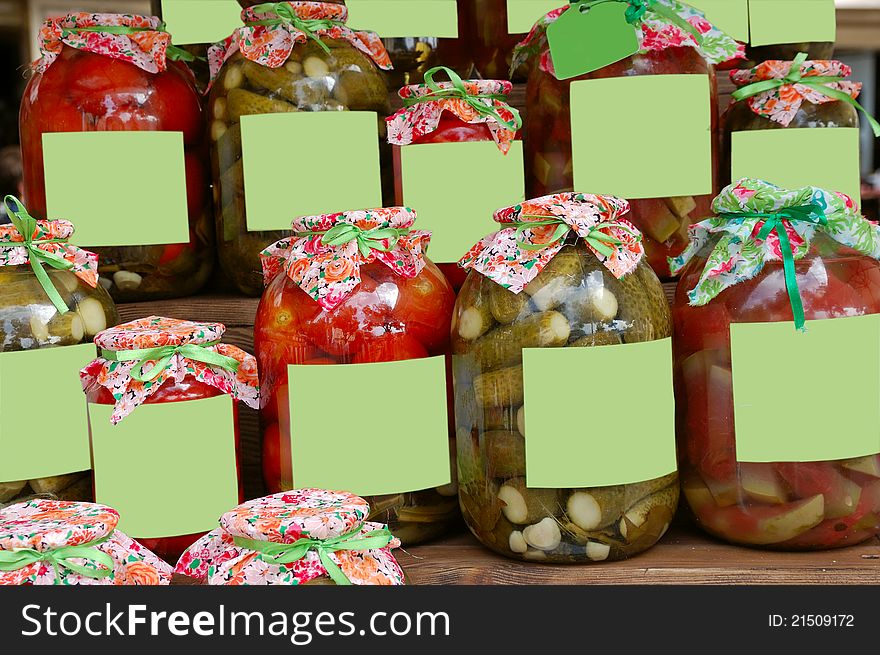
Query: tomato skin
column 91, row 73
column 176, row 107
column 390, row 347
column 451, row 129
column 423, row 299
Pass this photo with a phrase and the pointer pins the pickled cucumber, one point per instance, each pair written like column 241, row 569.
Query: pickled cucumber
column 502, row 388
column 507, row 306
column 503, row 345
column 506, row 454
column 560, row 278
column 246, row 103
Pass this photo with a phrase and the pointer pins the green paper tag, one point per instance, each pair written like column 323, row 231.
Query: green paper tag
column 620, row 149
column 372, row 429
column 330, row 163
column 200, row 21
column 118, row 188
column 400, row 18
column 582, row 41
column 809, row 396
column 523, row 14
column 33, row 382
column 456, row 188
column 730, row 16
column 774, row 22
column 611, row 422
column 169, row 468
column 797, row 157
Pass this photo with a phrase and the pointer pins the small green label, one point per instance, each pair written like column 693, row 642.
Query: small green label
column 169, row 468
column 797, row 157
column 330, row 163
column 774, row 22
column 118, row 188
column 200, row 21
column 456, row 188
column 523, row 14
column 806, row 396
column 620, row 148
column 730, row 16
column 33, row 383
column 399, row 18
column 599, row 416
column 372, row 429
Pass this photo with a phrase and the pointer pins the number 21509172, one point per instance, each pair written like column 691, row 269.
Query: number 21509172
column 811, row 621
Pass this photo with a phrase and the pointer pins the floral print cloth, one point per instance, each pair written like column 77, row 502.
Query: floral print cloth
column 145, row 49
column 738, row 255
column 44, row 525
column 653, row 33
column 500, row 257
column 782, row 104
column 330, row 273
column 85, row 263
column 285, row 518
column 155, row 332
column 418, row 120
column 271, row 45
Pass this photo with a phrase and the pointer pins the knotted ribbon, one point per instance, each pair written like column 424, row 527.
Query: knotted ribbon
column 367, row 240
column 62, row 558
column 276, row 553
column 636, row 10
column 286, row 15
column 600, row 241
column 164, row 355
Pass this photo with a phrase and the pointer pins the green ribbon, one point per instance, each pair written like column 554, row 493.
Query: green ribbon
column 459, row 92
column 174, row 53
column 26, row 225
column 275, row 553
column 605, row 244
column 636, row 10
column 774, row 222
column 61, row 558
column 163, row 356
column 286, row 15
column 817, row 82
column 367, row 240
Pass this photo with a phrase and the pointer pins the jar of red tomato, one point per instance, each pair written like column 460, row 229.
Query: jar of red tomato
column 457, row 111
column 89, row 80
column 351, row 288
column 548, row 124
column 738, row 269
column 176, row 385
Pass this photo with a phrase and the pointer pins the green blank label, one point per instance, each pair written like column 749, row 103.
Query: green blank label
column 456, row 188
column 599, row 416
column 792, row 21
column 44, row 428
column 168, row 468
column 200, row 21
column 523, row 14
column 806, row 396
column 730, row 16
column 398, row 18
column 372, row 429
column 329, row 162
column 118, row 188
column 621, row 148
column 797, row 157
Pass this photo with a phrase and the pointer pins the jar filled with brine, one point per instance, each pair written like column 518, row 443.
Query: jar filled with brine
column 773, row 255
column 671, row 39
column 121, row 79
column 564, row 272
column 290, row 57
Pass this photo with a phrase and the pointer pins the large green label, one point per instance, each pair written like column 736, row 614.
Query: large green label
column 792, row 21
column 400, row 18
column 200, row 21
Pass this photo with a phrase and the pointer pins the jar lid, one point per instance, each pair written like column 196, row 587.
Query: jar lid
column 43, row 525
column 304, row 513
column 157, row 331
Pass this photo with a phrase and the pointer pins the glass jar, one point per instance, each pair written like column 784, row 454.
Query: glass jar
column 575, row 301
column 493, row 45
column 818, row 50
column 310, row 79
column 88, row 89
column 388, row 316
column 772, row 505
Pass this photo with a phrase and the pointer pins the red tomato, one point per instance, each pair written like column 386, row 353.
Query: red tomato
column 127, row 120
column 276, row 460
column 390, row 347
column 196, row 183
column 63, row 117
column 452, row 129
column 95, row 74
column 176, row 104
column 455, row 274
column 425, row 307
column 701, row 328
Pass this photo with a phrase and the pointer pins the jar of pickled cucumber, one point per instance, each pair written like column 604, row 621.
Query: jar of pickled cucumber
column 832, row 273
column 548, row 123
column 327, row 303
column 278, row 62
column 122, row 80
column 532, row 285
column 49, row 299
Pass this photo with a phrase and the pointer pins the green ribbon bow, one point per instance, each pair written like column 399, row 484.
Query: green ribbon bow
column 59, row 558
column 818, row 82
column 459, row 92
column 775, row 222
column 600, row 242
column 26, row 225
column 286, row 15
column 367, row 240
column 174, row 52
column 163, row 355
column 636, row 10
column 275, row 553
